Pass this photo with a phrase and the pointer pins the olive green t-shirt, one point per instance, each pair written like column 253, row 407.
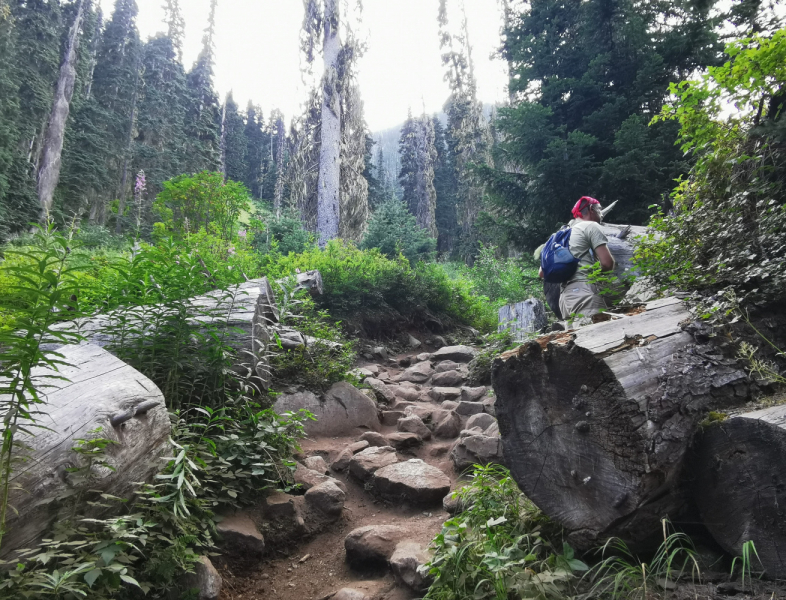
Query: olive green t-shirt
column 586, row 236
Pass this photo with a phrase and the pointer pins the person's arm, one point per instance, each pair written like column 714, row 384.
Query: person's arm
column 605, row 258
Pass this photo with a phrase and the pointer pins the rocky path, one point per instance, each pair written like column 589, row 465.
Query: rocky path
column 378, row 466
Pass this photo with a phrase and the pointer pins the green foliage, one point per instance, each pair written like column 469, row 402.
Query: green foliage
column 393, row 230
column 496, row 548
column 202, row 201
column 369, row 290
column 745, row 561
column 728, row 229
column 282, row 234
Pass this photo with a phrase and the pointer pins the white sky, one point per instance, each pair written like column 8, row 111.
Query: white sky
column 258, row 52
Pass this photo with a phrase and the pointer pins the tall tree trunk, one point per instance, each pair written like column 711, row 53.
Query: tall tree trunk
column 121, row 207
column 223, row 143
column 330, row 149
column 49, row 171
column 94, row 52
column 279, row 190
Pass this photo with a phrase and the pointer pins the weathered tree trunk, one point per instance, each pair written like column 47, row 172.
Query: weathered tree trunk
column 121, row 207
column 328, row 206
column 596, row 423
column 522, row 318
column 49, row 171
column 101, row 392
column 278, row 192
column 223, row 143
column 738, row 478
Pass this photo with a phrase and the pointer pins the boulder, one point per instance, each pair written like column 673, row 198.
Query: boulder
column 391, row 417
column 418, row 373
column 311, row 281
column 446, row 365
column 412, row 481
column 467, row 409
column 482, row 420
column 341, row 462
column 401, row 405
column 449, row 427
column 307, row 478
column 423, row 356
column 384, row 377
column 437, row 341
column 405, row 563
column 473, row 394
column 405, row 361
column 205, row 580
column 279, row 505
column 343, row 410
column 492, row 430
column 428, row 413
column 449, row 404
column 239, row 535
column 476, row 449
column 327, row 498
column 452, row 503
column 349, row 594
column 414, row 424
column 373, row 438
column 403, row 441
column 372, row 545
column 490, row 405
column 406, row 393
column 358, row 446
column 413, row 342
column 316, row 463
column 447, row 379
column 459, row 354
column 366, row 462
column 440, row 394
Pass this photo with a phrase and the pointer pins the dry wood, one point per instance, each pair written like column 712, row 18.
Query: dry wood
column 596, row 423
column 523, row 318
column 99, row 387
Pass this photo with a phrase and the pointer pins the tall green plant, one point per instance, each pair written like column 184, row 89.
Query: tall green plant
column 47, row 281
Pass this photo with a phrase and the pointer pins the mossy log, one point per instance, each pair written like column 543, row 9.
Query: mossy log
column 596, row 423
column 738, row 479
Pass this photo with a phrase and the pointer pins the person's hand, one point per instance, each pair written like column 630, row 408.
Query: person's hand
column 540, row 272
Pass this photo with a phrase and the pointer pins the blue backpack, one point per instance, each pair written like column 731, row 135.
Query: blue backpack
column 558, row 264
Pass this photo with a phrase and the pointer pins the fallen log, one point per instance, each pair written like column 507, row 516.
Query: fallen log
column 596, row 423
column 102, row 397
column 738, row 479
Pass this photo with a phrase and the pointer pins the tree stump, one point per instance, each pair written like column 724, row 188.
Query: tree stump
column 738, row 478
column 523, row 318
column 596, row 423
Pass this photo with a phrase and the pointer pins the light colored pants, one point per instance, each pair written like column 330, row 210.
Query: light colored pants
column 580, row 298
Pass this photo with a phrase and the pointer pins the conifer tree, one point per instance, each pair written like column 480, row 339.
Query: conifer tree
column 418, row 155
column 235, row 143
column 255, row 147
column 278, row 193
column 176, row 27
column 445, row 187
column 9, row 112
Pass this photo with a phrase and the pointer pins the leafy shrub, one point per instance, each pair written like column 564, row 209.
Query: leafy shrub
column 284, row 234
column 496, row 547
column 97, row 236
column 376, row 293
column 393, row 230
column 728, row 228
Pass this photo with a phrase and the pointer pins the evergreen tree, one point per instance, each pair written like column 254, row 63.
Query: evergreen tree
column 418, row 155
column 235, row 141
column 176, row 27
column 255, row 147
column 445, row 187
column 374, row 175
column 278, row 192
column 9, row 112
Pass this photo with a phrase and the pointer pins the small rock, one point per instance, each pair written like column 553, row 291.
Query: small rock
column 401, row 405
column 418, row 373
column 414, row 481
column 358, row 446
column 449, row 404
column 375, row 369
column 414, row 342
column 473, row 394
column 452, row 503
column 490, row 405
column 382, row 391
column 459, row 354
column 409, row 394
column 384, row 377
column 423, row 356
column 476, row 449
column 428, row 414
column 326, row 497
column 373, row 438
column 366, row 462
column 349, row 594
column 482, row 420
column 447, row 379
column 470, row 432
column 391, row 417
column 467, row 409
column 372, row 544
column 341, row 463
column 205, row 578
column 414, row 424
column 363, row 372
column 316, row 463
column 341, row 412
column 308, row 478
column 405, row 562
column 239, row 535
column 380, row 352
column 405, row 361
column 280, row 506
column 437, row 341
column 368, row 393
column 449, row 427
column 446, row 365
column 440, row 394
column 403, row 441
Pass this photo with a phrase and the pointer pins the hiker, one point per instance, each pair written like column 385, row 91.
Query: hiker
column 588, row 244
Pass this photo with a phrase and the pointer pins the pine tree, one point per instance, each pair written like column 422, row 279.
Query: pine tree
column 235, row 141
column 255, row 147
column 281, row 141
column 203, row 119
column 445, row 185
column 176, row 27
column 9, row 112
column 418, row 156
column 354, row 187
column 375, row 176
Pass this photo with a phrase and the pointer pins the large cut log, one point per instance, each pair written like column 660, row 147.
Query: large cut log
column 596, row 423
column 101, row 392
column 523, row 318
column 738, row 478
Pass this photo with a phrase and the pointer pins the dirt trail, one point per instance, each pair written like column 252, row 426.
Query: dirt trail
column 317, row 568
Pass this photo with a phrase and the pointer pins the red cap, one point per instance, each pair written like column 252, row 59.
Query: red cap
column 583, row 203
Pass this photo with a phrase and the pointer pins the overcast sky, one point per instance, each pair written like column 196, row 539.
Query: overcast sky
column 258, row 52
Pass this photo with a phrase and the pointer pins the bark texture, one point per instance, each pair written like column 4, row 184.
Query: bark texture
column 523, row 318
column 738, row 479
column 102, row 392
column 278, row 192
column 596, row 423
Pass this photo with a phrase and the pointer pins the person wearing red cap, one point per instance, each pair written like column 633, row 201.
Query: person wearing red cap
column 589, row 244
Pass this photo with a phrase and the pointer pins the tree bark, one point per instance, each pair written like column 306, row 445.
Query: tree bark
column 49, row 170
column 330, row 149
column 596, row 423
column 738, row 479
column 278, row 193
column 121, row 206
column 522, row 318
